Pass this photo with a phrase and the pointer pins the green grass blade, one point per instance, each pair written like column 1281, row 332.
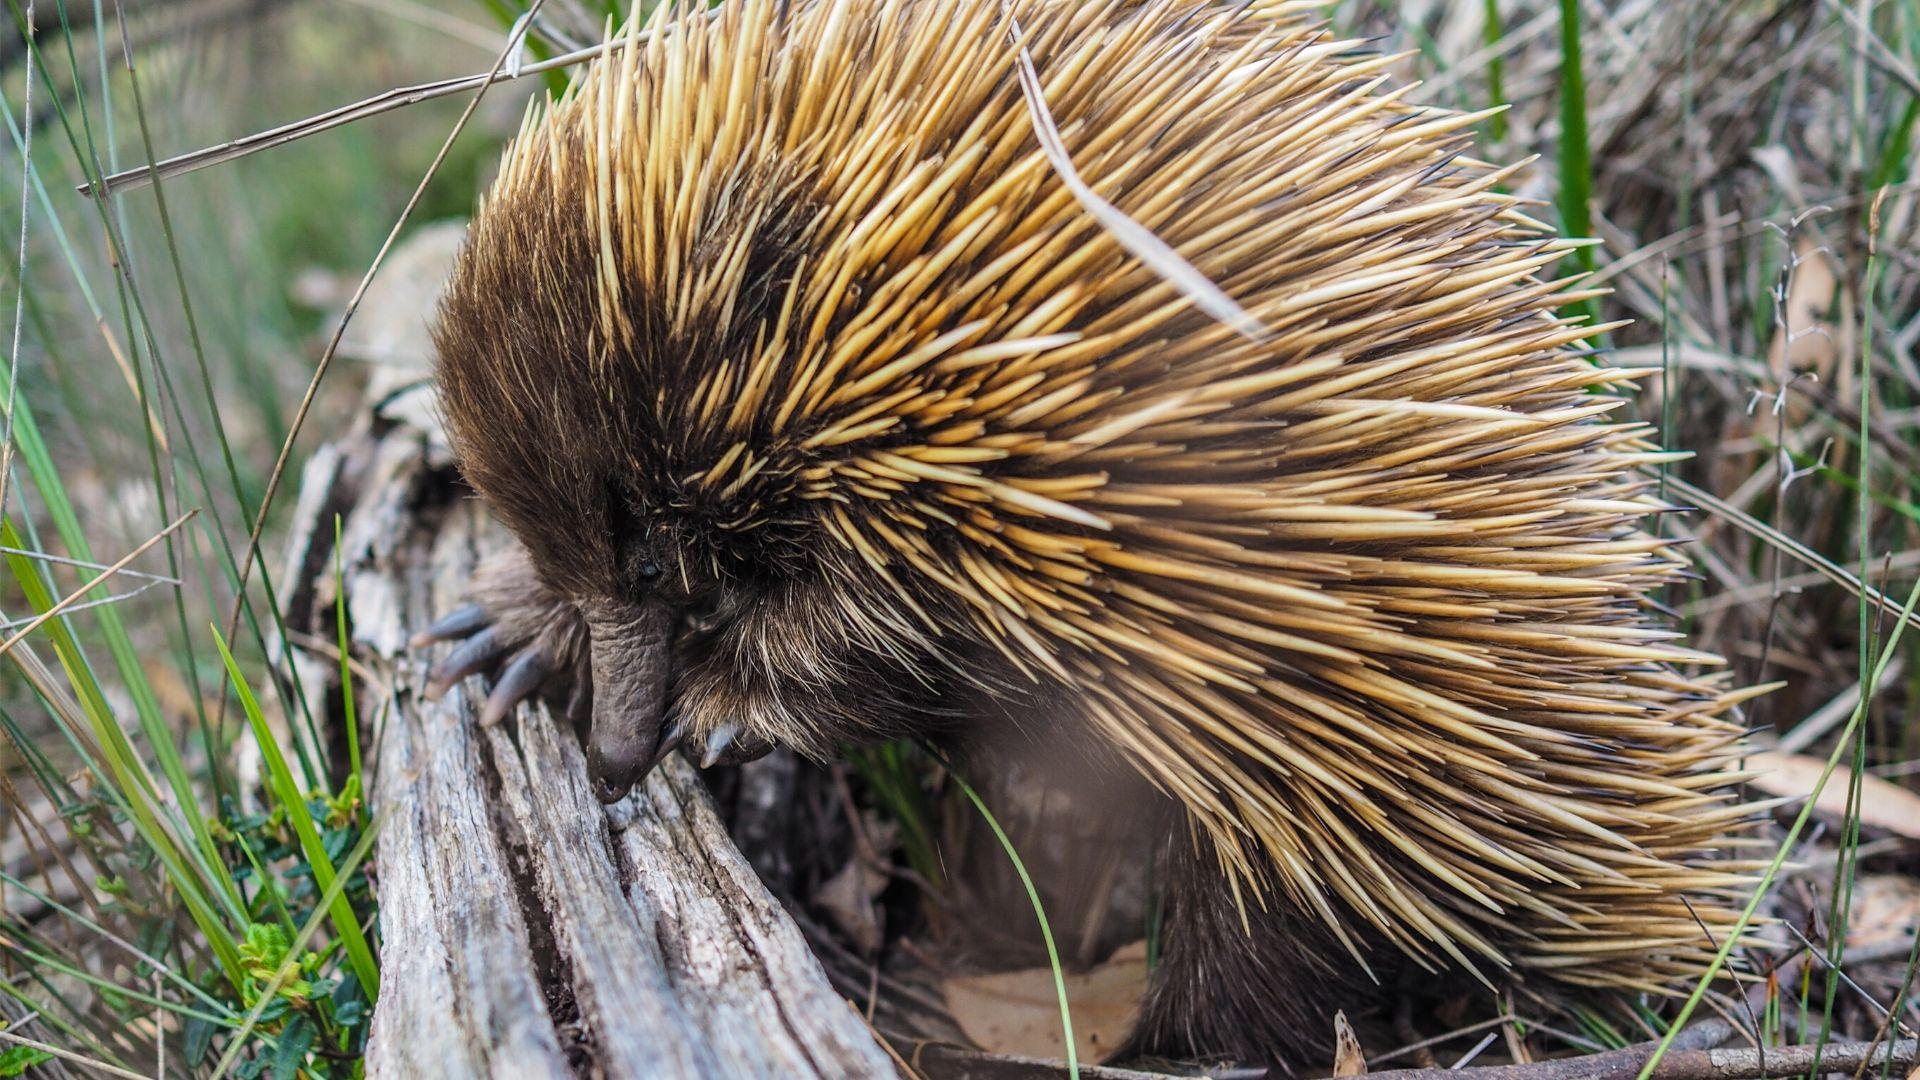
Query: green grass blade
column 125, row 770
column 350, row 718
column 237, row 487
column 1575, row 198
column 887, row 770
column 134, row 310
column 294, row 803
column 186, row 986
column 1841, row 746
column 48, row 484
column 1039, row 912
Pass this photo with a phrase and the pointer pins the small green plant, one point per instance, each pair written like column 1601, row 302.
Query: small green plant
column 896, row 774
column 16, row 1060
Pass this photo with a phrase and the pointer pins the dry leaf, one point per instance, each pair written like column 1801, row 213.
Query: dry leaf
column 1348, row 1058
column 1018, row 1012
column 849, row 897
column 1883, row 805
column 1803, row 341
column 1885, row 910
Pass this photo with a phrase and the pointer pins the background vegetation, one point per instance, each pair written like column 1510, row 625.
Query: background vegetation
column 182, row 857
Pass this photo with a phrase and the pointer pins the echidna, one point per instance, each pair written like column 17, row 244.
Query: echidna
column 829, row 403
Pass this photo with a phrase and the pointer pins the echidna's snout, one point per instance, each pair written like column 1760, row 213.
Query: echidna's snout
column 630, row 645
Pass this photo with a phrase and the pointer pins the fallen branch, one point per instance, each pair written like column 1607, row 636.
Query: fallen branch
column 1733, row 1063
column 1736, row 1063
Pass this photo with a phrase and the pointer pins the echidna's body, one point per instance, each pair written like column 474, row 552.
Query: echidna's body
column 784, row 318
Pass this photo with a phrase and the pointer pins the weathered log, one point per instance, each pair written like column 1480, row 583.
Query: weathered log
column 525, row 929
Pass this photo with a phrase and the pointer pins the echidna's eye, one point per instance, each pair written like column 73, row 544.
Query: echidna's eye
column 649, row 571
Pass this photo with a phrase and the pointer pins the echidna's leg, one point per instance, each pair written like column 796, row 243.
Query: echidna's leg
column 522, row 635
column 1261, row 988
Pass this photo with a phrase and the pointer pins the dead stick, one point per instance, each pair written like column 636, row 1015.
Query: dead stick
column 1767, row 534
column 1737, row 1063
column 98, row 579
column 397, row 98
column 1732, row 1063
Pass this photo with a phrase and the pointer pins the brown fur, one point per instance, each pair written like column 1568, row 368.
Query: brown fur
column 1222, row 988
column 528, row 612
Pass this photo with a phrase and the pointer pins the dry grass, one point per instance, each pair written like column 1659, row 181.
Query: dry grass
column 1737, row 150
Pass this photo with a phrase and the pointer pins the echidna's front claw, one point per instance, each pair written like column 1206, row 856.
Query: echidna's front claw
column 717, row 742
column 744, row 747
column 519, row 680
column 672, row 734
column 463, row 621
column 521, row 635
column 474, row 654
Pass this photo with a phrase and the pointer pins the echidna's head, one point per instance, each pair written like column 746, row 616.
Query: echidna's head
column 617, row 440
column 649, row 425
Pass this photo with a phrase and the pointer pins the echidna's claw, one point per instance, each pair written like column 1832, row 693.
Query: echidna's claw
column 518, row 681
column 580, row 702
column 473, row 654
column 465, row 620
column 717, row 742
column 672, row 734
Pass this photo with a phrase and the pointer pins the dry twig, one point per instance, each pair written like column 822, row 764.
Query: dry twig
column 386, row 101
column 1736, row 1063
